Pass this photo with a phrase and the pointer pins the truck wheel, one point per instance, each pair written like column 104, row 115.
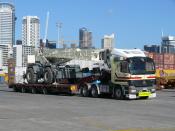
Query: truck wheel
column 15, row 89
column 44, row 91
column 33, row 90
column 23, row 90
column 94, row 92
column 48, row 76
column 84, row 91
column 31, row 76
column 118, row 93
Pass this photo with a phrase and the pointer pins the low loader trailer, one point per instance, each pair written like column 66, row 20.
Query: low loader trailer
column 126, row 74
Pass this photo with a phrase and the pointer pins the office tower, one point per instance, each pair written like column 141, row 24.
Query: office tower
column 7, row 30
column 31, row 31
column 85, row 38
column 168, row 44
column 0, row 58
column 51, row 44
column 152, row 48
column 108, row 41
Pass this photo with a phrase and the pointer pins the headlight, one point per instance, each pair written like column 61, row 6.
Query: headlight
column 153, row 90
column 133, row 91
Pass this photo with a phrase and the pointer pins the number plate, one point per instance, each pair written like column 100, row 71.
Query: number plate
column 144, row 94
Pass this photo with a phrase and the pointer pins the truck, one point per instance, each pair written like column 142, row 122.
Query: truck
column 120, row 73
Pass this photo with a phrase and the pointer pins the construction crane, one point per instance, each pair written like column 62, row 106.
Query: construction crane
column 46, row 29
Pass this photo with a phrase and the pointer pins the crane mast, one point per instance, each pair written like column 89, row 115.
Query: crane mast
column 46, row 28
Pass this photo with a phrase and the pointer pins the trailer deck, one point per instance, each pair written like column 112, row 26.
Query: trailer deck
column 45, row 88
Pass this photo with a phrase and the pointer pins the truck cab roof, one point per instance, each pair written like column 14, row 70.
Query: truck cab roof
column 128, row 53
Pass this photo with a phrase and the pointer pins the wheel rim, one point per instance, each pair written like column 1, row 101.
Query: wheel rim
column 84, row 91
column 93, row 92
column 46, row 76
column 23, row 90
column 44, row 91
column 33, row 90
column 118, row 93
column 28, row 76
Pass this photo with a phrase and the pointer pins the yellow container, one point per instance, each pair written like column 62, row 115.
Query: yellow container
column 168, row 73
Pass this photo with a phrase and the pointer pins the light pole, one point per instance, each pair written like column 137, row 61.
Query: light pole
column 59, row 26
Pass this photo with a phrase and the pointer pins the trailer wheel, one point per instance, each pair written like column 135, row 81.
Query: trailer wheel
column 23, row 90
column 15, row 89
column 118, row 93
column 33, row 90
column 84, row 91
column 48, row 76
column 94, row 92
column 31, row 76
column 44, row 91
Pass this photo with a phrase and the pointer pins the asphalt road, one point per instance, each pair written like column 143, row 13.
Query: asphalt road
column 37, row 112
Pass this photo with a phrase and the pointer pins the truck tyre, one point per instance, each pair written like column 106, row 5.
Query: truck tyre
column 33, row 90
column 15, row 89
column 44, row 91
column 48, row 76
column 94, row 92
column 31, row 76
column 23, row 90
column 84, row 91
column 118, row 93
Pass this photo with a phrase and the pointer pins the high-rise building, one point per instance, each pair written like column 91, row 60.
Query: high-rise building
column 51, row 44
column 85, row 38
column 7, row 29
column 0, row 58
column 108, row 42
column 31, row 31
column 152, row 48
column 168, row 44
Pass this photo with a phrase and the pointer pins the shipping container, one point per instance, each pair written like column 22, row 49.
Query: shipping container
column 159, row 66
column 168, row 59
column 168, row 66
column 165, row 69
column 163, row 61
column 158, row 58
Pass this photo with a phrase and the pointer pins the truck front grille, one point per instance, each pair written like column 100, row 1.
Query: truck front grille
column 142, row 83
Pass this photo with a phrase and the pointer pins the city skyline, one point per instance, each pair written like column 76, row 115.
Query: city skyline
column 134, row 23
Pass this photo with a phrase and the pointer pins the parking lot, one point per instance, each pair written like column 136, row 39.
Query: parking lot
column 37, row 112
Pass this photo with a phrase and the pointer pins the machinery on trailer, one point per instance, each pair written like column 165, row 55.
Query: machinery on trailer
column 122, row 74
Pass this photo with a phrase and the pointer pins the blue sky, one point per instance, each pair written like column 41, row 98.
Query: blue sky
column 134, row 22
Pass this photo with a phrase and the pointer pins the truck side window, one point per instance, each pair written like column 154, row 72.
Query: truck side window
column 124, row 67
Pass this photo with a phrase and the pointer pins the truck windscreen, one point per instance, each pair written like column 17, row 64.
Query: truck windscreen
column 141, row 65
